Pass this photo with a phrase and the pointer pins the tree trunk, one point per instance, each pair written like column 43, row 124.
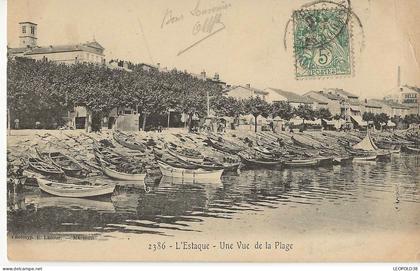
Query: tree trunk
column 8, row 122
column 190, row 123
column 144, row 121
column 256, row 124
column 88, row 123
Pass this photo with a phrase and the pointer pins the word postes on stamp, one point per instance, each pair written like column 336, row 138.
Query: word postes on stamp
column 322, row 43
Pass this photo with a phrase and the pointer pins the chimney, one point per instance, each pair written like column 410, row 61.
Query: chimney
column 216, row 77
column 248, row 85
column 365, row 101
column 203, row 74
column 399, row 76
column 158, row 65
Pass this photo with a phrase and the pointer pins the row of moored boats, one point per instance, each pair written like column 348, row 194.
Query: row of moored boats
column 203, row 157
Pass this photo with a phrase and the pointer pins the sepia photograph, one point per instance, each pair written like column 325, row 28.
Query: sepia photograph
column 213, row 130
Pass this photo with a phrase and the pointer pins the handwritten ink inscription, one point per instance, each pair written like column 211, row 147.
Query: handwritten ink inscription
column 208, row 21
column 170, row 18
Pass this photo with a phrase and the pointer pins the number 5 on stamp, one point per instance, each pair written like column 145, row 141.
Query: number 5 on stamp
column 322, row 43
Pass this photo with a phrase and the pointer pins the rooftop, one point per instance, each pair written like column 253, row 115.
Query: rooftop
column 28, row 23
column 17, row 50
column 93, row 47
column 316, row 100
column 345, row 93
column 417, row 89
column 373, row 103
column 256, row 90
column 292, row 97
column 391, row 103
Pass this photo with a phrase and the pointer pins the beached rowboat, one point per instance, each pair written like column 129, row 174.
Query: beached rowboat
column 74, row 190
column 253, row 162
column 69, row 165
column 112, row 173
column 44, row 168
column 128, row 142
column 197, row 158
column 194, row 174
column 224, row 146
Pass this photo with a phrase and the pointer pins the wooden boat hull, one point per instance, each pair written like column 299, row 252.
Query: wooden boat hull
column 411, row 149
column 223, row 147
column 302, row 163
column 225, row 166
column 185, row 158
column 128, row 142
column 44, row 168
column 75, row 171
column 121, row 175
column 325, row 161
column 194, row 174
column 365, row 158
column 261, row 163
column 395, row 151
column 384, row 155
column 342, row 160
column 74, row 190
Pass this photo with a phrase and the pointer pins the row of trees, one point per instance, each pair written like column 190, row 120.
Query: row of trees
column 381, row 119
column 39, row 90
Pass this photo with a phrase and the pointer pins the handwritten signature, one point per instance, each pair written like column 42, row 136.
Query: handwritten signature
column 209, row 21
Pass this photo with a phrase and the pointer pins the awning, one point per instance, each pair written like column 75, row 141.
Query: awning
column 296, row 121
column 329, row 122
column 338, row 123
column 313, row 122
column 391, row 124
column 359, row 120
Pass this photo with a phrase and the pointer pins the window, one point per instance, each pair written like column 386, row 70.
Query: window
column 24, row 29
column 33, row 30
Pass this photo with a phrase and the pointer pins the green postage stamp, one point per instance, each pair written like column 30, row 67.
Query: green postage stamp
column 322, row 43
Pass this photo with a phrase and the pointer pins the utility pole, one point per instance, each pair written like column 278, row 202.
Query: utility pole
column 208, row 103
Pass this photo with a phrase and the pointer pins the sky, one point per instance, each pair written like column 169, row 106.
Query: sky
column 249, row 48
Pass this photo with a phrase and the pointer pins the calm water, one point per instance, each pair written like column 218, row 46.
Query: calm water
column 365, row 195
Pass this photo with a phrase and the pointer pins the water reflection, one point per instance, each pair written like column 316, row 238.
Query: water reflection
column 171, row 205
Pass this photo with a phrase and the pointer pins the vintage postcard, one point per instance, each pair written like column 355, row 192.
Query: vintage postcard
column 213, row 130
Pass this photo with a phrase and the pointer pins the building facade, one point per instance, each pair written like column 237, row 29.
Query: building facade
column 245, row 92
column 331, row 100
column 278, row 95
column 88, row 52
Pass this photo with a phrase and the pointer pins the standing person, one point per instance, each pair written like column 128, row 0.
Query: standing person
column 37, row 124
column 271, row 126
column 16, row 124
